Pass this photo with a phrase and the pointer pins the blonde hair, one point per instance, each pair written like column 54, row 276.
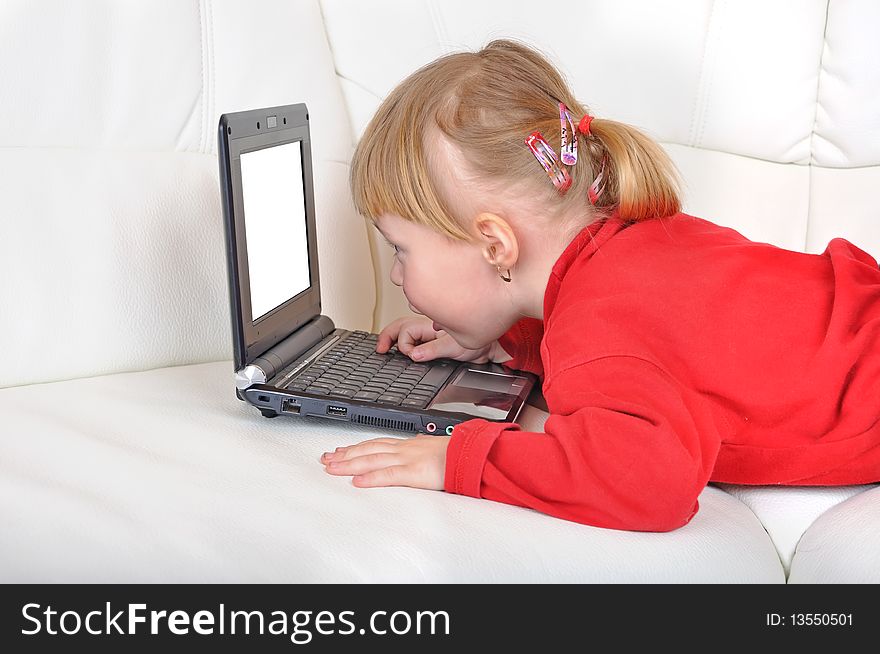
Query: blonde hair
column 485, row 103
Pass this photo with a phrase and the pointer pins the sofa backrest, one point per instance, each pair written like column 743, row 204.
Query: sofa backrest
column 769, row 108
column 111, row 234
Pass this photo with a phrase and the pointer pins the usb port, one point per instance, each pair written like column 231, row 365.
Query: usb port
column 287, row 406
column 336, row 410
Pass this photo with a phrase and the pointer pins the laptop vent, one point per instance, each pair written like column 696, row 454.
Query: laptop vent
column 403, row 425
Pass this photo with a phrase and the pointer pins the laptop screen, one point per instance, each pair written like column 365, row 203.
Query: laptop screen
column 275, row 226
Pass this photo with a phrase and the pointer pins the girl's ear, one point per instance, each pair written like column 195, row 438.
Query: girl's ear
column 497, row 240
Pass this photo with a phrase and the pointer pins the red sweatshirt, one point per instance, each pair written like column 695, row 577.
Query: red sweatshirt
column 676, row 352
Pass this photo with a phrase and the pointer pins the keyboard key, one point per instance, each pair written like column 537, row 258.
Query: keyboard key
column 390, row 399
column 317, row 390
column 417, row 403
column 437, row 376
column 366, row 395
column 342, row 392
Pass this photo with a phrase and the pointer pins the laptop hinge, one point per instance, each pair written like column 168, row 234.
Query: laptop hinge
column 273, row 360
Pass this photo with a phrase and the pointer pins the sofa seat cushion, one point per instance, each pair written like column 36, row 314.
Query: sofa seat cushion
column 788, row 511
column 164, row 476
column 843, row 545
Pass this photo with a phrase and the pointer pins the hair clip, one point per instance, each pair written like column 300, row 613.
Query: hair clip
column 568, row 150
column 594, row 191
column 549, row 161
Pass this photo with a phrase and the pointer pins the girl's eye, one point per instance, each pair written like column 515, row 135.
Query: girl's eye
column 393, row 247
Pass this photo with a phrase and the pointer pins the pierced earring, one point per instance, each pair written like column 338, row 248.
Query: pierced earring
column 506, row 279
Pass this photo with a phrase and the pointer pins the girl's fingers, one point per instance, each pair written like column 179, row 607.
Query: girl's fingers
column 405, row 340
column 427, row 351
column 388, row 335
column 391, row 476
column 442, row 346
column 382, row 439
column 366, row 447
column 363, row 464
column 407, row 333
column 414, row 335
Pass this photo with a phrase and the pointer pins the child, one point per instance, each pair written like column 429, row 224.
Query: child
column 672, row 351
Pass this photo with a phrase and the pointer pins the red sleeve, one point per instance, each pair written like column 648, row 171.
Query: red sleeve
column 621, row 450
column 523, row 343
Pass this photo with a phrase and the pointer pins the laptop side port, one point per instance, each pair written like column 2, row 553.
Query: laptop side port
column 287, row 406
column 333, row 410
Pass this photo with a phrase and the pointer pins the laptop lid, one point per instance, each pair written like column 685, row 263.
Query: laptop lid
column 269, row 210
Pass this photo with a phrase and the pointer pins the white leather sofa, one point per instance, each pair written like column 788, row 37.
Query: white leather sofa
column 125, row 455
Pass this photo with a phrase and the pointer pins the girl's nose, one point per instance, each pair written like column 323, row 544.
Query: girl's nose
column 396, row 277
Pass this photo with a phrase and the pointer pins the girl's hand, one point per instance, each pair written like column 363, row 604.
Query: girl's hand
column 417, row 339
column 417, row 462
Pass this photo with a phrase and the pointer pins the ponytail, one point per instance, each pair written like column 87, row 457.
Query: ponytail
column 641, row 181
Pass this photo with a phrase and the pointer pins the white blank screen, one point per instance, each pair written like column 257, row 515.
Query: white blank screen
column 275, row 226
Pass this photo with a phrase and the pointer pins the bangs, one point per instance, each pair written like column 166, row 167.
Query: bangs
column 389, row 170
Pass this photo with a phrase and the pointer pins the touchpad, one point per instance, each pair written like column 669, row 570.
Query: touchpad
column 478, row 393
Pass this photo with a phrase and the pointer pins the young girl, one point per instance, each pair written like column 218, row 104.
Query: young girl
column 672, row 351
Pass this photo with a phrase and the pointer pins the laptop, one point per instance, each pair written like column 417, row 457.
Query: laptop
column 292, row 360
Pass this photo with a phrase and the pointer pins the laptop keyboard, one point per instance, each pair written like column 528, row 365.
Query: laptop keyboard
column 353, row 369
